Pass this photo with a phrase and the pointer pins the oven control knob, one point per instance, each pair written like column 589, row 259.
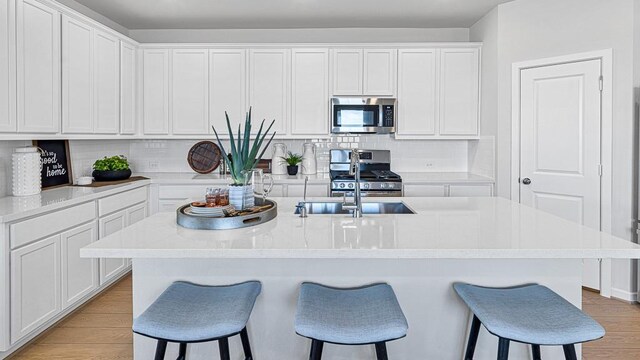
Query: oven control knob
column 350, row 185
column 366, row 186
column 391, row 185
column 342, row 185
column 383, row 185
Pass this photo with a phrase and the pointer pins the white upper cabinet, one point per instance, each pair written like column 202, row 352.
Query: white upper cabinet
column 370, row 72
column 7, row 120
column 38, row 67
column 310, row 92
column 347, row 65
column 127, row 88
column 77, row 75
column 227, row 87
column 417, row 92
column 438, row 93
column 459, row 91
column 155, row 98
column 269, row 87
column 107, row 83
column 90, row 79
column 190, row 91
column 379, row 72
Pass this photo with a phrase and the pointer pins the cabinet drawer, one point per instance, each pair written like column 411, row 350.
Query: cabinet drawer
column 30, row 230
column 470, row 190
column 183, row 191
column 120, row 201
column 424, row 190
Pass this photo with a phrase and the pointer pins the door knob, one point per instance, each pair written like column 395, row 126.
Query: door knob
column 526, row 181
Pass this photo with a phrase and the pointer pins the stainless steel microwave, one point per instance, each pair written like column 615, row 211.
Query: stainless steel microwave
column 363, row 115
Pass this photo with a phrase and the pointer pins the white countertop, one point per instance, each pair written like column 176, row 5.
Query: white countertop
column 449, row 228
column 13, row 208
column 16, row 207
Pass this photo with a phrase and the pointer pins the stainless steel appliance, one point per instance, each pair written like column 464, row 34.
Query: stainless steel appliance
column 376, row 177
column 363, row 115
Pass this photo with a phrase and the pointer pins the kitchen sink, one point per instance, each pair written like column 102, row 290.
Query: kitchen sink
column 367, row 208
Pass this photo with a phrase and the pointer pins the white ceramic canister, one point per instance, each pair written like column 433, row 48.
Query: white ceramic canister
column 27, row 167
column 278, row 166
column 309, row 163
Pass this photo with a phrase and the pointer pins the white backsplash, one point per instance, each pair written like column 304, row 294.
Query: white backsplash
column 406, row 155
column 171, row 155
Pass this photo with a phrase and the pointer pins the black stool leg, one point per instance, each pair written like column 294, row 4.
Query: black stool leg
column 535, row 351
column 569, row 352
column 316, row 350
column 182, row 355
column 381, row 351
column 246, row 346
column 161, row 349
column 503, row 349
column 473, row 338
column 223, row 345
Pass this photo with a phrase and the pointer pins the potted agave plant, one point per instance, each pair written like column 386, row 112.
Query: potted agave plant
column 244, row 158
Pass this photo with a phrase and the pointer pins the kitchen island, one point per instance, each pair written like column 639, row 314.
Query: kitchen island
column 485, row 241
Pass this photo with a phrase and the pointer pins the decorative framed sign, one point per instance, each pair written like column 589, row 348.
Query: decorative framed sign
column 56, row 163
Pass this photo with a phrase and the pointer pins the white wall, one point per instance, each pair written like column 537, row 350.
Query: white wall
column 527, row 30
column 335, row 35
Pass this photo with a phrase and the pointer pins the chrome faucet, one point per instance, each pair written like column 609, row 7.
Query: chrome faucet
column 302, row 205
column 354, row 170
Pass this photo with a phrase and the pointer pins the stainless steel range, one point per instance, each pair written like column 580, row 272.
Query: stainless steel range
column 376, row 177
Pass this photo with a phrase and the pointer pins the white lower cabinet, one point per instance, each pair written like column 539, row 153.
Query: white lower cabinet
column 414, row 190
column 111, row 268
column 79, row 275
column 447, row 190
column 35, row 286
column 47, row 277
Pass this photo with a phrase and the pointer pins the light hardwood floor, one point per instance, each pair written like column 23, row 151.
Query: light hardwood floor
column 102, row 330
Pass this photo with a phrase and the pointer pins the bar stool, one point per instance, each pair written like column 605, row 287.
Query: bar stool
column 530, row 314
column 189, row 313
column 349, row 316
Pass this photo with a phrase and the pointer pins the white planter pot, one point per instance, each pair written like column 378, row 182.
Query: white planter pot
column 241, row 197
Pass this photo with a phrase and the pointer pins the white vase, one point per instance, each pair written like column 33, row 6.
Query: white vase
column 241, row 197
column 27, row 166
column 278, row 166
column 309, row 163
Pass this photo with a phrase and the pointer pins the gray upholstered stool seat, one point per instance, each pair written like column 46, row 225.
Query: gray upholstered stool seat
column 190, row 313
column 354, row 316
column 530, row 314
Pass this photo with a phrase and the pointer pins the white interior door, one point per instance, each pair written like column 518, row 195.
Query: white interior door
column 560, row 145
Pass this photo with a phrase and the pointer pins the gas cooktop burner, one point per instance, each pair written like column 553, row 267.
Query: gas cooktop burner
column 385, row 174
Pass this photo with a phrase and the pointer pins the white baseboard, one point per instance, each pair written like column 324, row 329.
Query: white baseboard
column 624, row 295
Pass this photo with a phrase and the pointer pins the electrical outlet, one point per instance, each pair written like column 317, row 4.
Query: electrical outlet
column 154, row 165
column 429, row 164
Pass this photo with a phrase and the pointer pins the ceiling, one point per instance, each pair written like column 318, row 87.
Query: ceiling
column 282, row 14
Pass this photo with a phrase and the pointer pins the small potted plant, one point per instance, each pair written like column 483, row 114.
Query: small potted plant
column 244, row 158
column 111, row 168
column 292, row 160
